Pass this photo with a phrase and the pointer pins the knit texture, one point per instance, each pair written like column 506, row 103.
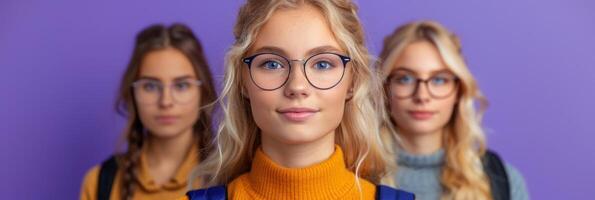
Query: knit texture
column 327, row 180
column 420, row 174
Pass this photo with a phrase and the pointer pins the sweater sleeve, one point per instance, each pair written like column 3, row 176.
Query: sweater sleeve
column 518, row 189
column 89, row 186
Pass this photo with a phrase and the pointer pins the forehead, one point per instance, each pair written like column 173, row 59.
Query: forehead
column 295, row 31
column 166, row 64
column 420, row 57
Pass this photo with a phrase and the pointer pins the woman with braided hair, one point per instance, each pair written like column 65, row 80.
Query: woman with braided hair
column 166, row 94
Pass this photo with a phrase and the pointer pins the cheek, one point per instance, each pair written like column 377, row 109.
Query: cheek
column 334, row 103
column 447, row 107
column 262, row 105
column 261, row 102
column 191, row 111
column 145, row 113
column 397, row 106
column 196, row 104
column 335, row 99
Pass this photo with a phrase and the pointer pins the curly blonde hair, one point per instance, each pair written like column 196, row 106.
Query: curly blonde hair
column 464, row 141
column 238, row 135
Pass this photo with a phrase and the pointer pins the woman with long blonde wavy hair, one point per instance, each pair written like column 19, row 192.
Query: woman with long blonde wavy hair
column 300, row 118
column 432, row 98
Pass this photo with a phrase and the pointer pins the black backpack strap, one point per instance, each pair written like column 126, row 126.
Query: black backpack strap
column 384, row 192
column 212, row 193
column 107, row 174
column 495, row 170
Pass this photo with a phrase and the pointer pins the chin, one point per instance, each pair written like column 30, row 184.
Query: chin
column 297, row 136
column 415, row 127
column 166, row 132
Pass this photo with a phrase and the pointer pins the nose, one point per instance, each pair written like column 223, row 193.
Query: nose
column 297, row 85
column 165, row 98
column 421, row 94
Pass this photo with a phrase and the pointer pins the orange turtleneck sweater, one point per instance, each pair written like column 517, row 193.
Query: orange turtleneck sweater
column 327, row 180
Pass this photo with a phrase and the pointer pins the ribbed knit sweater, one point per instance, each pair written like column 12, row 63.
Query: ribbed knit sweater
column 420, row 174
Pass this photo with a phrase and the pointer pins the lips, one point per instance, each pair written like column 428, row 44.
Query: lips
column 166, row 119
column 421, row 114
column 297, row 114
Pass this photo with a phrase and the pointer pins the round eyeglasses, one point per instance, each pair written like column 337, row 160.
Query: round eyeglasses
column 270, row 71
column 151, row 91
column 404, row 84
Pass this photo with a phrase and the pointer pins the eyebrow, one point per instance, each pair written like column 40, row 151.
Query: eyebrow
column 180, row 78
column 405, row 68
column 317, row 50
column 323, row 49
column 270, row 49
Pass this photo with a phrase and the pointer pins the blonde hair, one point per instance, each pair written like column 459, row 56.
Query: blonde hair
column 238, row 135
column 464, row 141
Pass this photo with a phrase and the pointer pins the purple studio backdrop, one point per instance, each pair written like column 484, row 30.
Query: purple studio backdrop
column 61, row 62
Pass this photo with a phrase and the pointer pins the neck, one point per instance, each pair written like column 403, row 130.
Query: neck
column 299, row 155
column 422, row 143
column 169, row 151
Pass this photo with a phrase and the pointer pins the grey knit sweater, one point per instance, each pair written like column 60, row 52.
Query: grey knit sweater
column 420, row 174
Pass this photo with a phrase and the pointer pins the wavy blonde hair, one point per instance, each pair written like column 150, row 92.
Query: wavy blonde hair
column 463, row 140
column 238, row 135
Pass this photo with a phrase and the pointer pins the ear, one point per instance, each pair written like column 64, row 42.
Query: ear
column 349, row 94
column 244, row 92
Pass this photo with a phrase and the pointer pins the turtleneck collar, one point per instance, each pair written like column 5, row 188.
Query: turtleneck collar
column 329, row 179
column 435, row 159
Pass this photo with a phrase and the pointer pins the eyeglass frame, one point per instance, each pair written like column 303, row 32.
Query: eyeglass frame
column 344, row 59
column 418, row 82
column 162, row 86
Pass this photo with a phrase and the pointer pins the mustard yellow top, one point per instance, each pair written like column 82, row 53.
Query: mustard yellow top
column 327, row 180
column 146, row 188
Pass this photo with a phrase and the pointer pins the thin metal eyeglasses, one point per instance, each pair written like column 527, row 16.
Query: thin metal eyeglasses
column 270, row 71
column 148, row 91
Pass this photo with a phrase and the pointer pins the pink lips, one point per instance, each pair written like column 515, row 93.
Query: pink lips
column 166, row 119
column 421, row 115
column 296, row 114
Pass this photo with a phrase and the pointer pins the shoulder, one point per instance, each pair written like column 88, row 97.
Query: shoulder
column 89, row 185
column 518, row 188
column 367, row 186
column 514, row 175
column 238, row 185
column 515, row 178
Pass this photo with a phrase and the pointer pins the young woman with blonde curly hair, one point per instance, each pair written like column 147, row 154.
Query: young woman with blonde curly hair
column 300, row 118
column 432, row 99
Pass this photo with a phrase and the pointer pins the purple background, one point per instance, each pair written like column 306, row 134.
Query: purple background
column 61, row 62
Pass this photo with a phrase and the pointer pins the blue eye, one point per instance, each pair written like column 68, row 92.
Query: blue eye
column 151, row 86
column 272, row 65
column 439, row 81
column 181, row 86
column 323, row 65
column 405, row 80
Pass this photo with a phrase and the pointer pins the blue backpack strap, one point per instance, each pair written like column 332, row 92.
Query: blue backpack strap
column 384, row 192
column 212, row 193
